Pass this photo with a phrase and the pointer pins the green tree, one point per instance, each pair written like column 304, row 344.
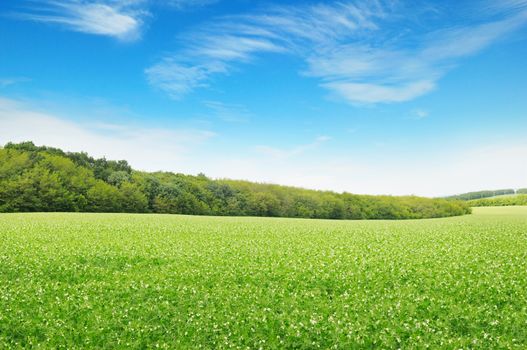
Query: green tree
column 103, row 197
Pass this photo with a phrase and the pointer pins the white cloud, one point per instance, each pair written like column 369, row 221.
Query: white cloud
column 362, row 52
column 120, row 19
column 373, row 93
column 455, row 169
column 228, row 112
column 387, row 70
column 184, row 4
column 239, row 39
column 5, row 82
column 462, row 41
column 494, row 7
column 418, row 114
column 177, row 79
column 211, row 56
column 145, row 148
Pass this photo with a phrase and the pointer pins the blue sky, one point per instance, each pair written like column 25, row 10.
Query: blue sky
column 420, row 97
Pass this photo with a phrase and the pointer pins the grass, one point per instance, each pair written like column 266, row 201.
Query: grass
column 507, row 200
column 160, row 281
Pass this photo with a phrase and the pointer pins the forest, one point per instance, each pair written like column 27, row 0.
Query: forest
column 485, row 194
column 46, row 179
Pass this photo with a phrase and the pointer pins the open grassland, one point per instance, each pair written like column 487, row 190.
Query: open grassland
column 146, row 281
column 499, row 201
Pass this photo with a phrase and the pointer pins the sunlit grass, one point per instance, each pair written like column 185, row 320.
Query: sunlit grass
column 141, row 281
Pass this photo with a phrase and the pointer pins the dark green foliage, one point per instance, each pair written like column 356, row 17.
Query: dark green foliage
column 47, row 179
column 522, row 191
column 481, row 194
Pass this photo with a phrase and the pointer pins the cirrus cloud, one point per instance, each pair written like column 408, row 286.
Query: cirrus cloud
column 356, row 49
column 121, row 19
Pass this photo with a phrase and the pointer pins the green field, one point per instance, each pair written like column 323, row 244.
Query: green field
column 165, row 281
column 499, row 201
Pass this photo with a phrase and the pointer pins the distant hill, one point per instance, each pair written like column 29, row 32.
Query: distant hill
column 485, row 194
column 499, row 201
column 48, row 179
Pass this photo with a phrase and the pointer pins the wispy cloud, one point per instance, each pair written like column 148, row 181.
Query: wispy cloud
column 418, row 114
column 185, row 4
column 145, row 148
column 494, row 7
column 229, row 112
column 362, row 52
column 239, row 39
column 279, row 153
column 375, row 93
column 5, row 82
column 213, row 55
column 121, row 19
column 178, row 79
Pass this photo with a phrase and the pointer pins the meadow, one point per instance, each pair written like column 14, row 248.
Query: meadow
column 127, row 281
column 499, row 201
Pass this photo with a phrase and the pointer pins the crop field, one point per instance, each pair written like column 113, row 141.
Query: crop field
column 165, row 281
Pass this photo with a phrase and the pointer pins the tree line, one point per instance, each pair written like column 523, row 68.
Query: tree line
column 484, row 194
column 34, row 178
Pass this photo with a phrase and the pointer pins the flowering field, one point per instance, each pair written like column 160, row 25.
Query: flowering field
column 145, row 281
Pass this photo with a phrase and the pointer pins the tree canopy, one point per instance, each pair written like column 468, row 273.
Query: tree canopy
column 43, row 178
